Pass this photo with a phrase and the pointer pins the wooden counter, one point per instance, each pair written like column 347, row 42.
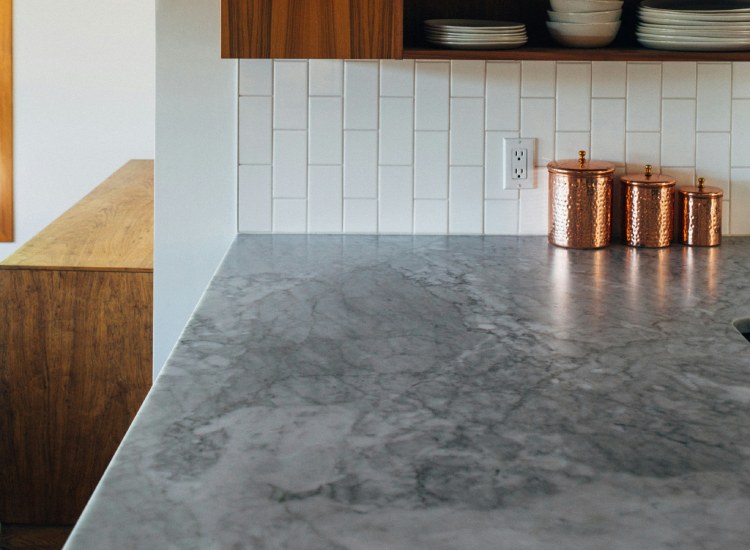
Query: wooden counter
column 75, row 348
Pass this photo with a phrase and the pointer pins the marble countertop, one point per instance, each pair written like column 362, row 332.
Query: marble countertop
column 445, row 393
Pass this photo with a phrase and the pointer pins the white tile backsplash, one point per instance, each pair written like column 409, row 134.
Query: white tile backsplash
column 329, row 146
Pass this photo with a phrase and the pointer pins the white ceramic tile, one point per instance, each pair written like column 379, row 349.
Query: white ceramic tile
column 608, row 130
column 643, row 148
column 683, row 175
column 361, row 164
column 741, row 133
column 290, row 95
column 396, row 130
column 532, row 212
column 431, row 165
column 538, row 78
column 290, row 164
column 739, row 217
column 466, row 201
column 714, row 110
column 361, row 95
column 360, row 215
column 568, row 144
column 256, row 77
column 255, row 202
column 326, row 77
column 324, row 206
column 538, row 121
column 396, row 200
column 467, row 131
column 712, row 159
column 467, row 78
column 503, row 96
column 326, row 133
column 573, row 97
column 725, row 218
column 644, row 97
column 494, row 166
column 290, row 216
column 500, row 217
column 431, row 217
column 741, row 80
column 255, row 130
column 678, row 132
column 608, row 78
column 431, row 102
column 679, row 80
column 397, row 78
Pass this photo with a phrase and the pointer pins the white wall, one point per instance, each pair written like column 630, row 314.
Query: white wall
column 83, row 101
column 196, row 162
column 405, row 147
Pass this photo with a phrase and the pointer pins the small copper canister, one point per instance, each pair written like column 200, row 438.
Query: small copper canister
column 649, row 209
column 580, row 202
column 700, row 214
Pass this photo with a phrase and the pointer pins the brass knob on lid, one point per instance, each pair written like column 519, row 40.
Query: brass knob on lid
column 581, row 158
column 701, row 184
column 648, row 170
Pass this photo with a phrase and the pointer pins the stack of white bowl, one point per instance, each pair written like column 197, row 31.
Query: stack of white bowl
column 584, row 23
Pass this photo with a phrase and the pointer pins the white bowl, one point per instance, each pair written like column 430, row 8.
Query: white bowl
column 570, row 6
column 585, row 16
column 583, row 35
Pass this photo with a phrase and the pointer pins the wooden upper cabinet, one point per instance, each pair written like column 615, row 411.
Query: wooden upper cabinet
column 312, row 29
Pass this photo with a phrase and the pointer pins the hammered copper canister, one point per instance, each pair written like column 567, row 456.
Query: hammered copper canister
column 580, row 202
column 649, row 209
column 700, row 214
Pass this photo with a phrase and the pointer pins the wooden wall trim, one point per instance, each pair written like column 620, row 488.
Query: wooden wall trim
column 6, row 120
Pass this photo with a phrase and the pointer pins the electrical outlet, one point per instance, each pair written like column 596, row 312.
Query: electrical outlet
column 519, row 163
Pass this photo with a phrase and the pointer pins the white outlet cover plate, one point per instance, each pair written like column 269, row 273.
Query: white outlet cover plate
column 509, row 144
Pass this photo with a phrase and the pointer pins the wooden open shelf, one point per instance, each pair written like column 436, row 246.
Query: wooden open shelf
column 541, row 46
column 392, row 29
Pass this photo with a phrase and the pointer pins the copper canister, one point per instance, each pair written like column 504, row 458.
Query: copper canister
column 649, row 209
column 580, row 202
column 700, row 214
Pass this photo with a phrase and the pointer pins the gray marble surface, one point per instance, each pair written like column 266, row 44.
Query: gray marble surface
column 445, row 393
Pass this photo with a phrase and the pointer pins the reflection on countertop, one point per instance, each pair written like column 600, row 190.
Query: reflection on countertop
column 442, row 393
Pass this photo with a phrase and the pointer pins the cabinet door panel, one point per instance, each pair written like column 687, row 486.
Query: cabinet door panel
column 339, row 29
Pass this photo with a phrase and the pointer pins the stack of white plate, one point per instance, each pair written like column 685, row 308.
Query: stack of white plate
column 694, row 25
column 584, row 23
column 475, row 34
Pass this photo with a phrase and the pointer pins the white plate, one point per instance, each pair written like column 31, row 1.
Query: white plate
column 660, row 20
column 689, row 38
column 693, row 31
column 473, row 24
column 691, row 46
column 657, row 16
column 697, row 6
column 475, row 36
column 464, row 46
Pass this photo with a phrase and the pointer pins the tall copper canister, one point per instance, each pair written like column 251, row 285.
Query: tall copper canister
column 700, row 214
column 649, row 209
column 580, row 202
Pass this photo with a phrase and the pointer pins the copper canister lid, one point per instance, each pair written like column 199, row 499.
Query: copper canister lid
column 648, row 179
column 701, row 190
column 580, row 165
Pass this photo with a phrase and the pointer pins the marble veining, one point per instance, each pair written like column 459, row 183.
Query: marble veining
column 445, row 393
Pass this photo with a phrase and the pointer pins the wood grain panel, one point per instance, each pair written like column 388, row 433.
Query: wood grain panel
column 75, row 357
column 337, row 29
column 245, row 28
column 110, row 228
column 6, row 120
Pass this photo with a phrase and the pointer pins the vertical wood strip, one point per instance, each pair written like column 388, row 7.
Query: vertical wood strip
column 246, row 28
column 6, row 120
